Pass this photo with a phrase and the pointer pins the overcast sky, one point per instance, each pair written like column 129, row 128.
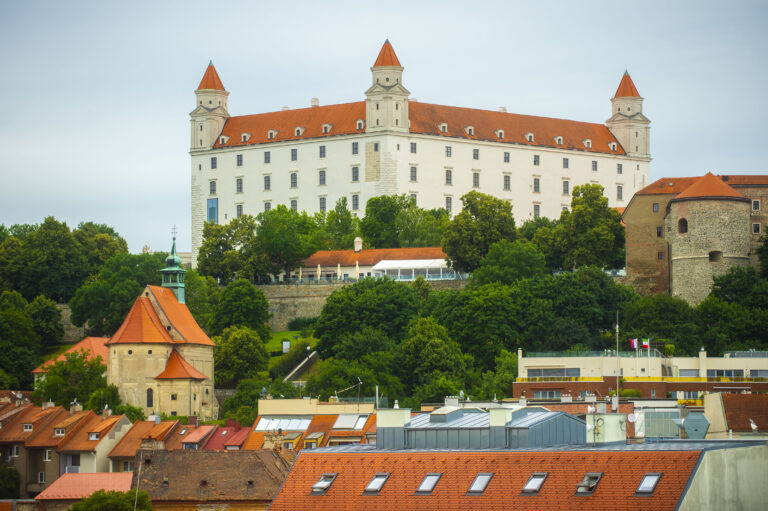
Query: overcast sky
column 94, row 120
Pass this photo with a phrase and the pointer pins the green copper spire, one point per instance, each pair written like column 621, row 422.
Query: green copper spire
column 173, row 273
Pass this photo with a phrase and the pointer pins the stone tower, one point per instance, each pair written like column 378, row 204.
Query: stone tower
column 210, row 113
column 386, row 103
column 707, row 235
column 173, row 273
column 627, row 122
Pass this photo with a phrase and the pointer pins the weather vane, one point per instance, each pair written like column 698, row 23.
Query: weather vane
column 173, row 230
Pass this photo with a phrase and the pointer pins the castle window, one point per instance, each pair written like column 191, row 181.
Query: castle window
column 755, row 205
column 536, row 211
column 212, row 187
column 619, row 192
column 360, row 125
column 239, row 211
column 756, row 228
column 660, row 256
column 322, row 151
column 500, row 134
column 506, row 157
column 475, row 154
column 223, row 139
column 130, row 352
column 612, row 145
column 239, row 159
column 413, row 174
column 413, row 147
column 594, row 165
column 355, row 174
column 267, row 206
column 448, row 204
column 413, row 199
column 447, row 151
column 294, row 179
column 682, row 226
column 448, row 176
column 321, row 177
column 566, row 188
column 201, row 127
column 443, row 128
column 149, row 352
column 559, row 140
column 588, row 144
column 529, row 137
column 476, row 179
column 326, row 128
column 150, row 398
column 355, row 147
column 294, row 154
column 715, row 256
column 267, row 157
column 294, row 204
column 659, row 232
column 470, row 131
column 655, row 207
column 271, row 134
column 245, row 137
column 507, row 182
column 213, row 162
column 536, row 160
column 322, row 204
column 267, row 182
column 239, row 185
column 355, row 202
column 619, row 168
column 375, row 147
column 565, row 163
column 536, row 185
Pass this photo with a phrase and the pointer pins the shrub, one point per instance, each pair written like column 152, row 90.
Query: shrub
column 302, row 323
column 290, row 360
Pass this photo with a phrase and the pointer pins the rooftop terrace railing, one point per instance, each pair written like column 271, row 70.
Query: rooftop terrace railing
column 607, row 353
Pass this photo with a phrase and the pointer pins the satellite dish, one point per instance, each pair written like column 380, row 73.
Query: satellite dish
column 590, row 427
column 631, row 417
column 591, row 409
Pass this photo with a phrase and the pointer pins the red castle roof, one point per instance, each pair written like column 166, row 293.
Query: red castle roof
column 626, row 88
column 211, row 80
column 387, row 56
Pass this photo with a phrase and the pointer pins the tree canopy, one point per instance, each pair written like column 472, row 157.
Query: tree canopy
column 239, row 354
column 241, row 304
column 114, row 501
column 75, row 377
column 508, row 262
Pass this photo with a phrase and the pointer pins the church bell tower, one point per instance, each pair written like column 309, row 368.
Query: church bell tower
column 173, row 273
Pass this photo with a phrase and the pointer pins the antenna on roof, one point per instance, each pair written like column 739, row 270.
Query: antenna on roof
column 174, row 231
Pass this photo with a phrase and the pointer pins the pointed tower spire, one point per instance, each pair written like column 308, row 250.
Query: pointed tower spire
column 210, row 111
column 386, row 100
column 626, row 88
column 627, row 122
column 173, row 273
column 211, row 80
column 387, row 57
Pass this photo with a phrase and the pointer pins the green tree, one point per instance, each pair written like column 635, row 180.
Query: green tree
column 8, row 381
column 663, row 317
column 102, row 500
column 243, row 405
column 427, row 349
column 239, row 354
column 529, row 228
column 378, row 227
column 10, row 482
column 417, row 227
column 231, row 251
column 241, row 304
column 4, row 233
column 762, row 254
column 99, row 243
column 286, row 238
column 354, row 345
column 11, row 253
column 332, row 376
column 19, row 342
column 341, row 226
column 107, row 396
column 508, row 262
column 104, row 301
column 201, row 295
column 75, row 377
column 483, row 221
column 742, row 285
column 46, row 320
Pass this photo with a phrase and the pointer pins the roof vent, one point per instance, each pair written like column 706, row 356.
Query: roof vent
column 315, row 102
column 358, row 244
column 286, row 108
column 503, row 109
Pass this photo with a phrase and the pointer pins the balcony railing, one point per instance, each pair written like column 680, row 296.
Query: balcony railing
column 560, row 378
column 640, row 379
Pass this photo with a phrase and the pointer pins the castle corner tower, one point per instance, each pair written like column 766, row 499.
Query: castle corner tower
column 210, row 113
column 627, row 122
column 386, row 103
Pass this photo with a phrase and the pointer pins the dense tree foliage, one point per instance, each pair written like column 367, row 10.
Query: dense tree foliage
column 109, row 397
column 75, row 377
column 46, row 320
column 102, row 500
column 239, row 354
column 243, row 405
column 483, row 221
column 508, row 262
column 241, row 304
column 10, row 482
column 379, row 228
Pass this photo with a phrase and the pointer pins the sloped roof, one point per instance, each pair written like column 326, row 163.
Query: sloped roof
column 255, row 439
column 45, row 435
column 387, row 56
column 227, row 435
column 199, row 435
column 179, row 316
column 141, row 430
column 708, row 186
column 211, row 80
column 237, row 438
column 667, row 185
column 622, row 473
column 78, row 486
column 179, row 369
column 14, row 432
column 739, row 408
column 141, row 325
column 7, row 414
column 626, row 88
column 79, row 441
column 93, row 346
column 370, row 257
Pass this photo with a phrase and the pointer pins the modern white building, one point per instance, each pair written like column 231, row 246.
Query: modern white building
column 308, row 158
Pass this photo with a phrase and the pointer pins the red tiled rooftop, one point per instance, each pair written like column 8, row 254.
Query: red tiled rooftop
column 78, row 486
column 237, row 438
column 626, row 88
column 93, row 346
column 44, row 435
column 198, row 435
column 387, row 56
column 179, row 369
column 622, row 473
column 709, row 186
column 739, row 408
column 224, row 436
column 668, row 185
column 369, row 257
column 141, row 325
column 211, row 80
column 80, row 439
column 255, row 439
column 179, row 316
column 141, row 430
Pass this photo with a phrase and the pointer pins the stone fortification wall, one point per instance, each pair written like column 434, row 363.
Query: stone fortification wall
column 292, row 301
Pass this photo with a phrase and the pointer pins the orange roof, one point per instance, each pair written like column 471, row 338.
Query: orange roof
column 80, row 440
column 93, row 346
column 78, row 486
column 370, row 257
column 179, row 316
column 622, row 473
column 745, row 180
column 709, row 186
column 141, row 430
column 179, row 369
column 199, row 435
column 44, row 434
column 668, row 185
column 387, row 56
column 626, row 88
column 739, row 408
column 141, row 325
column 160, row 431
column 13, row 432
column 211, row 80
column 255, row 439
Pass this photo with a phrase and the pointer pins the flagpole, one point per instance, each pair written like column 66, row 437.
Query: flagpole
column 618, row 359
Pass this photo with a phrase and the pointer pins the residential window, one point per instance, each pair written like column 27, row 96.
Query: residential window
column 41, row 477
column 355, row 174
column 213, row 210
column 448, row 176
column 322, row 204
column 475, row 154
column 475, row 179
column 507, row 182
column 506, row 157
column 322, row 485
column 536, row 159
column 14, row 451
column 448, row 151
column 619, row 192
column 589, row 483
column 648, row 484
column 213, row 162
column 239, row 185
column 355, row 202
column 534, row 484
column 294, row 204
column 655, row 207
column 267, row 206
column 480, row 483
column 536, row 211
column 294, row 154
column 173, row 397
column 127, row 466
column 267, row 157
column 294, row 179
column 413, row 173
column 755, row 205
column 660, row 256
column 413, row 147
column 375, row 147
column 27, row 427
column 322, row 151
column 321, row 177
column 566, row 187
column 755, row 228
column 212, row 187
column 354, row 147
column 239, row 210
column 619, row 168
column 376, row 484
column 47, row 455
column 565, row 163
column 428, row 484
column 594, row 165
column 448, row 203
column 659, row 232
column 93, row 436
column 536, row 185
column 239, row 160
column 267, row 182
column 413, row 198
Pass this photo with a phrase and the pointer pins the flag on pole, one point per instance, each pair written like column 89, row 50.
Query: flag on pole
column 633, row 342
column 646, row 343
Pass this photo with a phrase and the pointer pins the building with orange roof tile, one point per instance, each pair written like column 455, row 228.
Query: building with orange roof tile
column 682, row 232
column 93, row 346
column 389, row 143
column 88, row 448
column 160, row 359
column 70, row 488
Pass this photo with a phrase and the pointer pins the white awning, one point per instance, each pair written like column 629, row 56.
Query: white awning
column 409, row 264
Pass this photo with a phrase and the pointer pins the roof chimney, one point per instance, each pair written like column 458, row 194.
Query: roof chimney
column 75, row 407
column 48, row 404
column 358, row 244
column 315, row 102
column 193, row 421
column 286, row 108
column 503, row 109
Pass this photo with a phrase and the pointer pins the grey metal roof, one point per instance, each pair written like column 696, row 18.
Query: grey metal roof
column 464, row 421
column 528, row 420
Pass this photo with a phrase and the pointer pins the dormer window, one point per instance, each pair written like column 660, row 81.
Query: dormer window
column 360, row 124
column 500, row 134
column 529, row 137
column 27, row 426
column 470, row 130
column 299, row 131
column 93, row 436
column 271, row 134
column 326, row 129
column 612, row 145
column 559, row 140
column 443, row 127
column 245, row 137
column 58, row 432
column 588, row 144
column 223, row 139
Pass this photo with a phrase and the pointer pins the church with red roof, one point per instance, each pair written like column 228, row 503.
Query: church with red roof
column 160, row 359
column 308, row 158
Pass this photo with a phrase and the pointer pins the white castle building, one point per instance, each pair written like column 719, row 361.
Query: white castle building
column 308, row 158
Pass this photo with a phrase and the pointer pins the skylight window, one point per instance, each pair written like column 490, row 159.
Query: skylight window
column 648, row 484
column 428, row 484
column 376, row 484
column 183, row 431
column 588, row 484
column 322, row 485
column 480, row 484
column 534, row 483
